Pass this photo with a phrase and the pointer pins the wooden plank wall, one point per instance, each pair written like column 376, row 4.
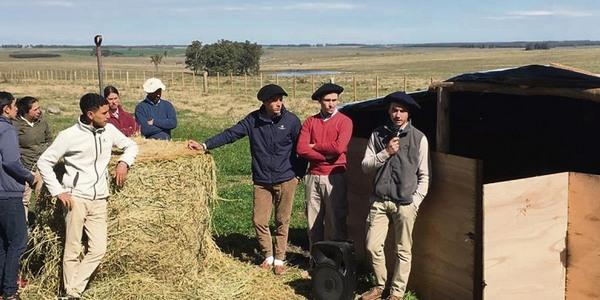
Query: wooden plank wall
column 445, row 235
column 524, row 250
column 583, row 237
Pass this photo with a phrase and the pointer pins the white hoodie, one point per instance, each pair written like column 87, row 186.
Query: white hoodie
column 86, row 152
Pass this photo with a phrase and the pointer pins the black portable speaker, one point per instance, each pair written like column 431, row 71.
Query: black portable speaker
column 334, row 270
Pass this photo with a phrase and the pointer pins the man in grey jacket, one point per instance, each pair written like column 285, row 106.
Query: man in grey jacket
column 86, row 150
column 398, row 154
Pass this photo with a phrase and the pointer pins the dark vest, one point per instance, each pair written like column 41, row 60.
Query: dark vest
column 396, row 180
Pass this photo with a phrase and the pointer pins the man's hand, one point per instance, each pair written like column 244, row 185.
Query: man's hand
column 393, row 146
column 193, row 145
column 150, row 122
column 121, row 173
column 66, row 200
column 36, row 178
column 311, row 146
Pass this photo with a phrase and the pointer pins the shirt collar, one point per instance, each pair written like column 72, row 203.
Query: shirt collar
column 31, row 124
column 325, row 116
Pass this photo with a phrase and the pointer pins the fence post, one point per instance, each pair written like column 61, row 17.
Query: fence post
column 312, row 82
column 218, row 83
column 276, row 78
column 354, row 86
column 182, row 80
column 376, row 86
column 231, row 81
column 127, row 77
column 294, row 88
column 405, row 84
column 261, row 80
column 205, row 82
column 194, row 81
column 245, row 84
column 172, row 78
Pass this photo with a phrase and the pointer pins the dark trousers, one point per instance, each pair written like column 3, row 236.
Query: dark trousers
column 13, row 241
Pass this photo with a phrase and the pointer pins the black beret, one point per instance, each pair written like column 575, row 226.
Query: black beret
column 403, row 99
column 325, row 89
column 269, row 92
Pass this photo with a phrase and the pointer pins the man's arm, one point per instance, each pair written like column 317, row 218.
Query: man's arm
column 423, row 173
column 48, row 160
column 126, row 160
column 373, row 160
column 142, row 119
column 303, row 148
column 229, row 135
column 11, row 160
column 170, row 122
column 340, row 144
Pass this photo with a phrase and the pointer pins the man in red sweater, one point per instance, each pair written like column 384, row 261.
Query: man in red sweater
column 323, row 141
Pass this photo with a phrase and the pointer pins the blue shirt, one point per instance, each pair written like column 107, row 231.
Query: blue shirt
column 164, row 116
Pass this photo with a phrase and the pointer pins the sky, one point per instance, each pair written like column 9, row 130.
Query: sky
column 178, row 22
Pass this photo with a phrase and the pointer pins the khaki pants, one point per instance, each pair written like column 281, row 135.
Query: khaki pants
column 28, row 191
column 265, row 196
column 326, row 207
column 89, row 216
column 403, row 219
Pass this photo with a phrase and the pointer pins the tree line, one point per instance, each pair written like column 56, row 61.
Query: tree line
column 224, row 56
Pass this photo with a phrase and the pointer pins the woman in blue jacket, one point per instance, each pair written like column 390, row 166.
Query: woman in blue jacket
column 13, row 227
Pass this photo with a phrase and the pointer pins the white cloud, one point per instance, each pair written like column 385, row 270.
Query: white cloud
column 321, row 6
column 551, row 13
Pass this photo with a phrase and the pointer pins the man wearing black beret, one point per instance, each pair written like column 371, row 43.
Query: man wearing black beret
column 276, row 169
column 324, row 142
column 398, row 153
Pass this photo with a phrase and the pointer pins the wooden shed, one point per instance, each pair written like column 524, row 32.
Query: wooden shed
column 513, row 211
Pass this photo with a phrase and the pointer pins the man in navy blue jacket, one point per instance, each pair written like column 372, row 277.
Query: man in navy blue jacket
column 155, row 116
column 276, row 169
column 13, row 227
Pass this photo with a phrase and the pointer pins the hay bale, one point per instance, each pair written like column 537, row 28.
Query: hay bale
column 159, row 240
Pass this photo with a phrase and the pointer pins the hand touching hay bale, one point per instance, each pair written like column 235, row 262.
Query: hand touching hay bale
column 159, row 241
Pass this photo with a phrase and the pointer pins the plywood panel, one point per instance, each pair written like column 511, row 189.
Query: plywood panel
column 525, row 225
column 445, row 248
column 583, row 237
column 359, row 189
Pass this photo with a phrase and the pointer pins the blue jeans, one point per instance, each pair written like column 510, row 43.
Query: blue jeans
column 13, row 242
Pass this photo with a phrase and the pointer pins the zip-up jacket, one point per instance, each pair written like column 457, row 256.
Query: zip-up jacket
column 33, row 140
column 272, row 145
column 164, row 116
column 404, row 176
column 13, row 174
column 86, row 152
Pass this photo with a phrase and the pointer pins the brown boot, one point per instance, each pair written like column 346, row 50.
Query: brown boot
column 372, row 294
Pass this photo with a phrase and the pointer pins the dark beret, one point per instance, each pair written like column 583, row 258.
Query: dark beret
column 325, row 89
column 269, row 92
column 403, row 99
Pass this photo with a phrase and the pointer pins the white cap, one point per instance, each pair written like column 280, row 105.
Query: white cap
column 153, row 84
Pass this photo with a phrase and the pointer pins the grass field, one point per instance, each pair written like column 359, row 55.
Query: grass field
column 202, row 115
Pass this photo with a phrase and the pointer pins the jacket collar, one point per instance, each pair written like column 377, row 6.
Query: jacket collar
column 262, row 115
column 89, row 127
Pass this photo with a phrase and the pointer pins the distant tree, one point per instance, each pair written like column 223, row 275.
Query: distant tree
column 537, row 46
column 156, row 59
column 194, row 59
column 224, row 57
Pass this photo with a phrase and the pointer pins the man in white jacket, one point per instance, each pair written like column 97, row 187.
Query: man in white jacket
column 86, row 150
